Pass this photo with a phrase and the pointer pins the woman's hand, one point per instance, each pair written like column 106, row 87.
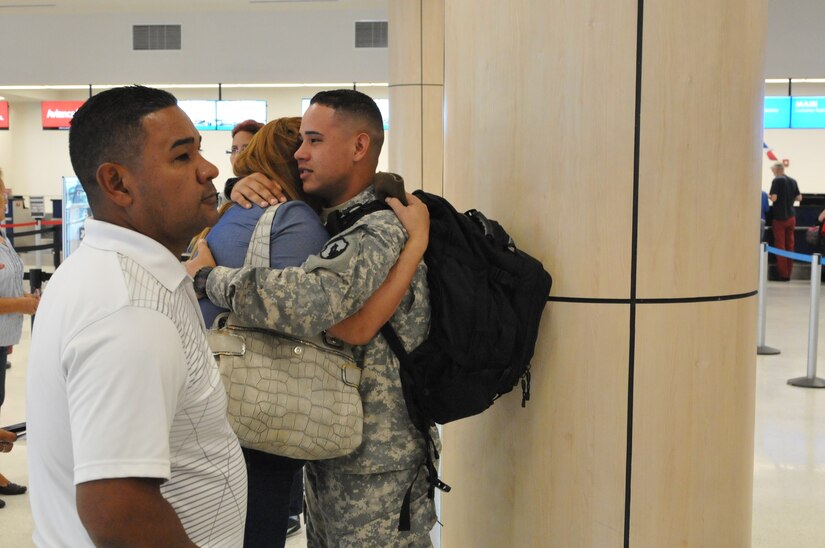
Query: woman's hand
column 28, row 303
column 416, row 220
column 200, row 258
column 259, row 189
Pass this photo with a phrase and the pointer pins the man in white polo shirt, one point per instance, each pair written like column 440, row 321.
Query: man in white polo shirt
column 128, row 438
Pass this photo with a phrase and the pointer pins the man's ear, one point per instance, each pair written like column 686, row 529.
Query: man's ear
column 362, row 146
column 112, row 187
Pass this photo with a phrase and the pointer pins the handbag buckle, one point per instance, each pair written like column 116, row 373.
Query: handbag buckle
column 332, row 341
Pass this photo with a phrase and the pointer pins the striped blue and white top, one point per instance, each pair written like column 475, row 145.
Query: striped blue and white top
column 11, row 285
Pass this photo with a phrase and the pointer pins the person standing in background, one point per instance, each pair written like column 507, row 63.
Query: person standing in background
column 242, row 135
column 14, row 302
column 784, row 192
column 766, row 206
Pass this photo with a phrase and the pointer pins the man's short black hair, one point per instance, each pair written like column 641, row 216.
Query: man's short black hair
column 358, row 105
column 109, row 128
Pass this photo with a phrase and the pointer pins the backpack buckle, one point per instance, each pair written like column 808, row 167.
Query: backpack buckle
column 438, row 484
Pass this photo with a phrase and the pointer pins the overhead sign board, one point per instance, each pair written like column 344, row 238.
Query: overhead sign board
column 777, row 112
column 58, row 114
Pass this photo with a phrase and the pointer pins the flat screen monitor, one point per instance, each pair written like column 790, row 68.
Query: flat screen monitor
column 808, row 112
column 202, row 113
column 777, row 112
column 231, row 113
column 75, row 211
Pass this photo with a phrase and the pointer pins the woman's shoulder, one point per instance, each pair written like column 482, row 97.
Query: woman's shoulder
column 296, row 212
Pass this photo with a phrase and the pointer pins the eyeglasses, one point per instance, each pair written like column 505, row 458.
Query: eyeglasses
column 236, row 150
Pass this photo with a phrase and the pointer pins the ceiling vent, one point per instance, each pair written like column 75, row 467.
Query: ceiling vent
column 370, row 34
column 155, row 37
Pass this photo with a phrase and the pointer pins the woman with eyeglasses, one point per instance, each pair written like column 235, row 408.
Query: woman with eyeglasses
column 242, row 134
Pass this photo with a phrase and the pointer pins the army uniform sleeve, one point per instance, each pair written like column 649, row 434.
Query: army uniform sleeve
column 327, row 288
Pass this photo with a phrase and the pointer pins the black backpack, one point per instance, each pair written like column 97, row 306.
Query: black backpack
column 487, row 297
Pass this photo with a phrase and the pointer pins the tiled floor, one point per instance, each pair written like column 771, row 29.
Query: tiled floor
column 789, row 470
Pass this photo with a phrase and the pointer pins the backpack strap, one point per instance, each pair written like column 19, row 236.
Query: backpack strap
column 257, row 253
column 421, row 423
column 339, row 221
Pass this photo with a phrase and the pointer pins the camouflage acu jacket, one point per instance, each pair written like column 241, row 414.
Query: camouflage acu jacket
column 327, row 288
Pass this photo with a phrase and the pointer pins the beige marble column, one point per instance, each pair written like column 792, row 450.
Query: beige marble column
column 618, row 142
column 416, row 52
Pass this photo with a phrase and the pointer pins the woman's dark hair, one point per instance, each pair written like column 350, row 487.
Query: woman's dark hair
column 250, row 126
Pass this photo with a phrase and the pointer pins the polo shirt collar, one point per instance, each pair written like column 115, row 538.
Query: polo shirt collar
column 148, row 253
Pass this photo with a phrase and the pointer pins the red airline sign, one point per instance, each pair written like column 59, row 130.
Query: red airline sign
column 4, row 115
column 58, row 114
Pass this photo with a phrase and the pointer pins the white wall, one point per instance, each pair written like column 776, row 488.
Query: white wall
column 275, row 45
column 794, row 42
column 804, row 149
column 34, row 160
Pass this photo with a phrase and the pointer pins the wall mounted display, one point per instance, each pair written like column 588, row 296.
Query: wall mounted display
column 807, row 112
column 231, row 113
column 58, row 114
column 777, row 112
column 4, row 115
column 202, row 113
column 208, row 115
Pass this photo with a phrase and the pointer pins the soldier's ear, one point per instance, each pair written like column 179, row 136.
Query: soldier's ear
column 362, row 146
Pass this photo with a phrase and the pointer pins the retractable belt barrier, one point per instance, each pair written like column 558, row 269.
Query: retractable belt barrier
column 42, row 226
column 810, row 380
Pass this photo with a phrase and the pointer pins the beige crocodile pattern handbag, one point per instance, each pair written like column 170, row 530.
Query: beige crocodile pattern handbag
column 291, row 396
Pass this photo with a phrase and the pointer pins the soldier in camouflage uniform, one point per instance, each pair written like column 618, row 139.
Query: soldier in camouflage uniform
column 353, row 501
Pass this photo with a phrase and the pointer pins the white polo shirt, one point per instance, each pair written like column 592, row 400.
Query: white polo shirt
column 121, row 383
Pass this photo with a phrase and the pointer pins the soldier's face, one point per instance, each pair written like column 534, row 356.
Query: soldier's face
column 326, row 157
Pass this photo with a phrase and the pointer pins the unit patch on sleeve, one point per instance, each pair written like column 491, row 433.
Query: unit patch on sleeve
column 334, row 248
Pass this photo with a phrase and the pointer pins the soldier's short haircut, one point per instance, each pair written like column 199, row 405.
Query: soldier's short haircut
column 109, row 128
column 357, row 105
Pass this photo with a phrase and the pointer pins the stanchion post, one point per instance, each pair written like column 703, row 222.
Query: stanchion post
column 57, row 244
column 37, row 241
column 811, row 380
column 761, row 348
column 35, row 283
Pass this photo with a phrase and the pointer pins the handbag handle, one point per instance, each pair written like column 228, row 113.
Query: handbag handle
column 257, row 254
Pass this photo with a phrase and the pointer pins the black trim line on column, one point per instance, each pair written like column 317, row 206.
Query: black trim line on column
column 420, row 80
column 672, row 300
column 631, row 354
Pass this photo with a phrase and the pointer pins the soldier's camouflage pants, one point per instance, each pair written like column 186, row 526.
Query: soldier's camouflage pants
column 361, row 511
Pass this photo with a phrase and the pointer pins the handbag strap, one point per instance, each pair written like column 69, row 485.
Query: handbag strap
column 257, row 254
